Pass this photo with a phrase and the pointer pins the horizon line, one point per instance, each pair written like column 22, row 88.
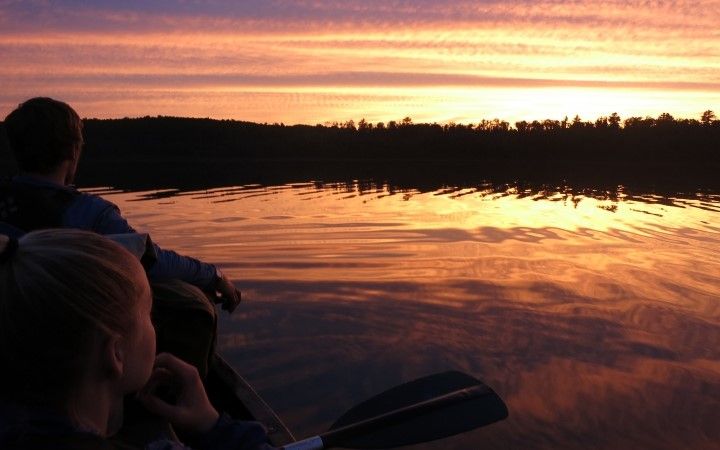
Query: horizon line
column 340, row 123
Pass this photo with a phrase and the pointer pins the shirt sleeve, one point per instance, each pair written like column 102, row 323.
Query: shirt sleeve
column 94, row 213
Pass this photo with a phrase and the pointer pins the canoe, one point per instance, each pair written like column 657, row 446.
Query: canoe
column 231, row 393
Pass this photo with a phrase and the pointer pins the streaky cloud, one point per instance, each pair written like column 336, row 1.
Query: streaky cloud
column 345, row 79
column 426, row 50
column 674, row 17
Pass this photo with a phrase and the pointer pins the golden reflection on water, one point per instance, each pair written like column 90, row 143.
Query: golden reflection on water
column 597, row 320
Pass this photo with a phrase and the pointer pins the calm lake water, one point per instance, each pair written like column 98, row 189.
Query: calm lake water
column 595, row 317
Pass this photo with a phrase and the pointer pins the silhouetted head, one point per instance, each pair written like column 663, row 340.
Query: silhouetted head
column 43, row 134
column 74, row 312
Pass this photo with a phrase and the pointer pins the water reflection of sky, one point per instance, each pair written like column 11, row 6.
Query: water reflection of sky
column 595, row 317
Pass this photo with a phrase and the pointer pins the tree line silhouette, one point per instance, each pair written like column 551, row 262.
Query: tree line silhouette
column 607, row 140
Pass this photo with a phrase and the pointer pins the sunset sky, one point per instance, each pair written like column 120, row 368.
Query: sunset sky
column 312, row 61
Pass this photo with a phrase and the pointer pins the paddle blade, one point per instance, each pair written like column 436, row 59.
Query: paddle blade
column 430, row 408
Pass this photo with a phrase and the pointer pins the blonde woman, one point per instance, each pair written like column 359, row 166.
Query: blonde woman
column 76, row 338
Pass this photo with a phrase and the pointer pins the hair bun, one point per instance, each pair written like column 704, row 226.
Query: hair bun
column 9, row 249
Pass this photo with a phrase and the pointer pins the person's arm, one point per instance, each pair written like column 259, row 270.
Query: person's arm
column 191, row 411
column 169, row 264
column 197, row 273
column 101, row 216
column 94, row 213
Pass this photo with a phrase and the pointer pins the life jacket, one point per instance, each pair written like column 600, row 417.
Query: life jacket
column 29, row 207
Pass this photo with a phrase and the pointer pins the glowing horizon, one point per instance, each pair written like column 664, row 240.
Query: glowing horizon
column 323, row 61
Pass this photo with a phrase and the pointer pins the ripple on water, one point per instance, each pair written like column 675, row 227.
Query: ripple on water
column 595, row 315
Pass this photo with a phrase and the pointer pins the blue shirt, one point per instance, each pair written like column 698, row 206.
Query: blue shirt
column 94, row 213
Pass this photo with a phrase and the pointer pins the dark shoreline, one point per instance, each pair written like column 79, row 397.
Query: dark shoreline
column 665, row 156
column 663, row 140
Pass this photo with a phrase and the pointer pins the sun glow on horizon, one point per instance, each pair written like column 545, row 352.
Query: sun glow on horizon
column 310, row 106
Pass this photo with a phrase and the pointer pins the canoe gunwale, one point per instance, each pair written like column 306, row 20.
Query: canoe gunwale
column 250, row 400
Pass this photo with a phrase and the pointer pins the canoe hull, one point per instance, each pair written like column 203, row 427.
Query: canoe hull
column 231, row 393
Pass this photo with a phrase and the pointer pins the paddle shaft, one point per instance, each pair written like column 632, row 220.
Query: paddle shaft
column 336, row 438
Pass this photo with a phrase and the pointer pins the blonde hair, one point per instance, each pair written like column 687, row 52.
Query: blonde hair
column 60, row 291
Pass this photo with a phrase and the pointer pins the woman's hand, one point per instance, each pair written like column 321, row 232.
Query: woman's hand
column 189, row 408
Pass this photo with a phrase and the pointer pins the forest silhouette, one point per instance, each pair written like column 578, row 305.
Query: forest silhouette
column 609, row 151
column 608, row 139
